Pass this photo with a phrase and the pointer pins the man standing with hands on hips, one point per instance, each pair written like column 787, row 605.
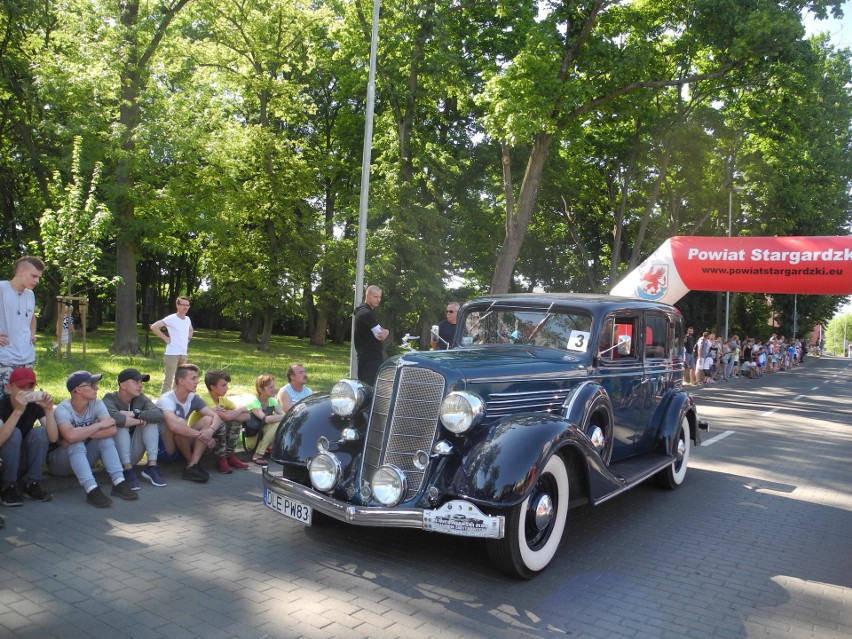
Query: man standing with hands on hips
column 177, row 341
column 18, row 318
column 369, row 336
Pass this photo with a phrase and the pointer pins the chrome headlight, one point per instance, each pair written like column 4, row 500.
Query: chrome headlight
column 461, row 411
column 347, row 396
column 388, row 485
column 324, row 471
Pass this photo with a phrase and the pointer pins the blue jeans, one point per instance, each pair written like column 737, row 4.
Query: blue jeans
column 24, row 455
column 144, row 439
column 78, row 458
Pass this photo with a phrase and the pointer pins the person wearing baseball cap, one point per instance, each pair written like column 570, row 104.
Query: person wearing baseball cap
column 139, row 422
column 85, row 426
column 23, row 448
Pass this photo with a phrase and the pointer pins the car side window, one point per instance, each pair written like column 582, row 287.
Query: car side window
column 657, row 336
column 618, row 339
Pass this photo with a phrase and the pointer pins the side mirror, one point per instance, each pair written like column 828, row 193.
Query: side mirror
column 624, row 344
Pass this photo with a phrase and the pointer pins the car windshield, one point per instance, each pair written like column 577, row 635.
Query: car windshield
column 550, row 328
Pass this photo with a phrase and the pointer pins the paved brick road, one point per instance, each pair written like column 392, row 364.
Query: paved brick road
column 757, row 543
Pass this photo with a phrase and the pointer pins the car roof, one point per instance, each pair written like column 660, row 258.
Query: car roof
column 590, row 301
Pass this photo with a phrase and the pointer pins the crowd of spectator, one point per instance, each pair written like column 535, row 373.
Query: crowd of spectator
column 129, row 433
column 711, row 358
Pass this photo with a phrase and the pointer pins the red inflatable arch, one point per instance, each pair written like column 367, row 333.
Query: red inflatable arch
column 805, row 265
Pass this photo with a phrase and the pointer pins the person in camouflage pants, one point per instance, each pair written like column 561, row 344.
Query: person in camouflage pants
column 232, row 416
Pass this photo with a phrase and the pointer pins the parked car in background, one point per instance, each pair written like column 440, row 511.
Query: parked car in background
column 546, row 400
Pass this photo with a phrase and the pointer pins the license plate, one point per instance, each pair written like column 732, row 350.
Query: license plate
column 288, row 507
column 463, row 519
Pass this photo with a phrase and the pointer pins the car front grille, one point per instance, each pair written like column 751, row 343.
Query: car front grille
column 403, row 421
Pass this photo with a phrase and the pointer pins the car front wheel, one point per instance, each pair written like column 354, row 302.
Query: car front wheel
column 534, row 527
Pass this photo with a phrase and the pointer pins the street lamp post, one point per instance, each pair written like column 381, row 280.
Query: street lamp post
column 365, row 183
column 731, row 189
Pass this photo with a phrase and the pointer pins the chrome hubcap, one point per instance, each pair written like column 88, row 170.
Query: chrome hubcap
column 543, row 512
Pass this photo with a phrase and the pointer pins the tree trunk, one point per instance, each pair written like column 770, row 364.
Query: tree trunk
column 266, row 335
column 320, row 329
column 517, row 224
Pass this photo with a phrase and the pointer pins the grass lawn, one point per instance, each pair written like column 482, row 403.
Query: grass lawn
column 208, row 349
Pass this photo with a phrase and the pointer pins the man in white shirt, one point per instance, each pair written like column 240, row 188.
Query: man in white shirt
column 191, row 441
column 179, row 328
column 18, row 318
column 295, row 390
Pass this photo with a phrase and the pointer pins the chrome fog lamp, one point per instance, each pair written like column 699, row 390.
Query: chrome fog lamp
column 461, row 411
column 324, row 471
column 347, row 396
column 388, row 485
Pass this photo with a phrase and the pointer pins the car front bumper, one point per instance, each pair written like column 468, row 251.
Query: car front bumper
column 457, row 517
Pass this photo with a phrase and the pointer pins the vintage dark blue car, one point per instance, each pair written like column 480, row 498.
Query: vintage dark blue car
column 544, row 401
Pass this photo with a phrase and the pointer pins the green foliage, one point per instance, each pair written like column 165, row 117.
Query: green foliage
column 70, row 234
column 208, row 349
column 230, row 136
column 838, row 335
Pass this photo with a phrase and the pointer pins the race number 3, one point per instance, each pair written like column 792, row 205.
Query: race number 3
column 579, row 341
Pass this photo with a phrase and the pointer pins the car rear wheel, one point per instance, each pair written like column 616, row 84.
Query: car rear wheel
column 534, row 527
column 674, row 474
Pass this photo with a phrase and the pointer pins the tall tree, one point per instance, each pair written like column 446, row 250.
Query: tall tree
column 581, row 56
column 141, row 35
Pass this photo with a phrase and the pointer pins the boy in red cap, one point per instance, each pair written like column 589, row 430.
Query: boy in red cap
column 23, row 447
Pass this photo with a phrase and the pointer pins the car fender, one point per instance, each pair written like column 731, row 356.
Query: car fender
column 297, row 435
column 501, row 466
column 677, row 405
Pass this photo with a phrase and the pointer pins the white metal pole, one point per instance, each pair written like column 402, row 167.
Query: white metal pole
column 365, row 183
column 728, row 293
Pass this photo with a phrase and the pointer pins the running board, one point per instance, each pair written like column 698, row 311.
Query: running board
column 634, row 471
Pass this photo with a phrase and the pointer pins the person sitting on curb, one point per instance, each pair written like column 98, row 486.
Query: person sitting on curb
column 178, row 405
column 296, row 388
column 232, row 416
column 266, row 410
column 23, row 448
column 87, row 434
column 139, row 422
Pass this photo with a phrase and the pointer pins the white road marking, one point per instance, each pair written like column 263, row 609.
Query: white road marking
column 770, row 412
column 797, row 398
column 718, row 437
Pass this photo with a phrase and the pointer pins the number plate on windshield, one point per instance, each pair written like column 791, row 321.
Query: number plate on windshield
column 288, row 507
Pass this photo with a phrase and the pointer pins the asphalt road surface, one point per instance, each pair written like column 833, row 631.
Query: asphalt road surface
column 756, row 543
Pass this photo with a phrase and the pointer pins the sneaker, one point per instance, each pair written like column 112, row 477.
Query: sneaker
column 97, row 498
column 34, row 491
column 123, row 490
column 131, row 479
column 9, row 496
column 234, row 462
column 195, row 473
column 152, row 474
column 223, row 466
